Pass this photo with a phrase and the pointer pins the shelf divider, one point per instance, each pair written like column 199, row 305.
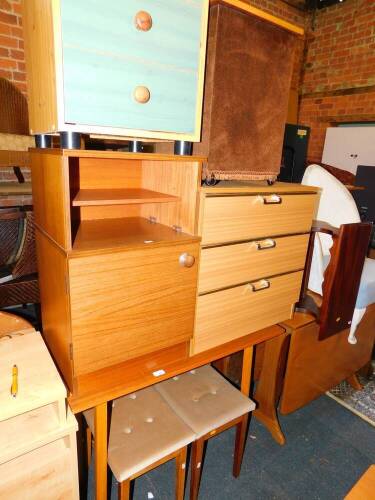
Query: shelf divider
column 92, row 197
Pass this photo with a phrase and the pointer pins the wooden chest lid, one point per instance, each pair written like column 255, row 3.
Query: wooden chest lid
column 39, row 382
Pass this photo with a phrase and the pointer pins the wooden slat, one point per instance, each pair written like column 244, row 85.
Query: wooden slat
column 92, row 197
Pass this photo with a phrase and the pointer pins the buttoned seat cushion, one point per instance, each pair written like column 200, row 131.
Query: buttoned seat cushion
column 144, row 429
column 204, row 399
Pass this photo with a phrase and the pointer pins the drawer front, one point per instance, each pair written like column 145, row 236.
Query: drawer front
column 229, row 314
column 130, row 303
column 45, row 473
column 106, row 57
column 233, row 218
column 231, row 265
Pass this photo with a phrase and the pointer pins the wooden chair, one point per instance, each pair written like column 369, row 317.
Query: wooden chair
column 21, row 284
column 10, row 323
column 314, row 354
column 208, row 404
column 145, row 433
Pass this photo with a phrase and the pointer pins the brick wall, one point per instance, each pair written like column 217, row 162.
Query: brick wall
column 12, row 60
column 339, row 71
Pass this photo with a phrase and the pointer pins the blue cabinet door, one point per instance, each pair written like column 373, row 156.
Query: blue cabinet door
column 105, row 57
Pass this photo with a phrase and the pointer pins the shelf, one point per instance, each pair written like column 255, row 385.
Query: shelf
column 92, row 197
column 102, row 235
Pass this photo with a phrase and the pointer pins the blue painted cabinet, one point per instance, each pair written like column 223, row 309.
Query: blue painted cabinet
column 115, row 78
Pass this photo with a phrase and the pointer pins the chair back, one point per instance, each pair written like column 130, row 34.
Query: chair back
column 337, row 252
column 342, row 278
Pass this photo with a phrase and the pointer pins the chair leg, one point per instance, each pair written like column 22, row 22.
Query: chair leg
column 181, row 473
column 88, row 445
column 124, row 490
column 196, row 467
column 354, row 382
column 239, row 447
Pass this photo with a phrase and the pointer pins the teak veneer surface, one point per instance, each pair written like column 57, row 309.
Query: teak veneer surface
column 233, row 264
column 103, row 235
column 130, row 303
column 87, row 197
column 130, row 376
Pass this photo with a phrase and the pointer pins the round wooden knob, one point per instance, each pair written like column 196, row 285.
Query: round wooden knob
column 186, row 260
column 143, row 21
column 141, row 94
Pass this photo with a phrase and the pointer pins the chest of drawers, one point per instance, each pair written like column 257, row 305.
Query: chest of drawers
column 254, row 244
column 119, row 67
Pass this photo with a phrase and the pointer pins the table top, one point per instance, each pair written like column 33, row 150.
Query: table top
column 365, row 487
column 118, row 380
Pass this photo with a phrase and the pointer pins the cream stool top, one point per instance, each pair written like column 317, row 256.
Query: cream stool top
column 204, row 399
column 144, row 429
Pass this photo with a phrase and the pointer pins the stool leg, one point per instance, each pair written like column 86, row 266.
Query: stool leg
column 180, row 473
column 196, row 467
column 124, row 490
column 88, row 445
column 239, row 447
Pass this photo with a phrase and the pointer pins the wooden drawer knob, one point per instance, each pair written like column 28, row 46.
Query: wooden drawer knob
column 141, row 94
column 143, row 21
column 186, row 260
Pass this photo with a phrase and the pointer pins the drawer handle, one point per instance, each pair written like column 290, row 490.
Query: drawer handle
column 186, row 260
column 141, row 94
column 143, row 21
column 265, row 244
column 260, row 285
column 273, row 199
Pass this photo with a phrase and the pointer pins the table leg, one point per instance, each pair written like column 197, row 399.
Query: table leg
column 247, row 365
column 100, row 450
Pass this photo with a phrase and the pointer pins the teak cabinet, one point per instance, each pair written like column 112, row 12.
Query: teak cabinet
column 117, row 255
column 136, row 256
column 120, row 67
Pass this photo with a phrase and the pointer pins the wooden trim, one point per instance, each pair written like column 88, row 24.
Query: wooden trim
column 347, row 118
column 250, row 9
column 119, row 155
column 338, row 92
column 10, row 159
column 196, row 136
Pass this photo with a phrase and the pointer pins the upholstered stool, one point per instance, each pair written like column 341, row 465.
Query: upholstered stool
column 145, row 432
column 209, row 405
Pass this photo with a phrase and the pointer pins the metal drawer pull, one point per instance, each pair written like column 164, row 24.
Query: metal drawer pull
column 259, row 285
column 143, row 21
column 273, row 199
column 186, row 260
column 265, row 244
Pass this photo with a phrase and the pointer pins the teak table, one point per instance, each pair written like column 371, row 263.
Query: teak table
column 101, row 387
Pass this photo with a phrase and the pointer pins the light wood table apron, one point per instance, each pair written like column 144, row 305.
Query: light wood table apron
column 95, row 390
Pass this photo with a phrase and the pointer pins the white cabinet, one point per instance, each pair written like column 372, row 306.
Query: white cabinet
column 348, row 147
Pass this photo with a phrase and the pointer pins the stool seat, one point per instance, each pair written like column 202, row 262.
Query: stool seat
column 144, row 429
column 204, row 399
